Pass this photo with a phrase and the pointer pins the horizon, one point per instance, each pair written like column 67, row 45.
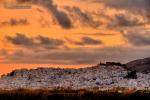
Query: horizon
column 7, row 68
column 64, row 33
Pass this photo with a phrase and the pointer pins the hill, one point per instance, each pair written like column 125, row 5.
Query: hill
column 140, row 65
column 100, row 77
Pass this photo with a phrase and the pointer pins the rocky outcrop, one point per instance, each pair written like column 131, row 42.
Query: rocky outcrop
column 140, row 65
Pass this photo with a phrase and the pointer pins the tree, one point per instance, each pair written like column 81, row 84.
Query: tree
column 131, row 75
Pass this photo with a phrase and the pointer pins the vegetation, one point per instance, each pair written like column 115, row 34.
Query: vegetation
column 132, row 75
column 68, row 94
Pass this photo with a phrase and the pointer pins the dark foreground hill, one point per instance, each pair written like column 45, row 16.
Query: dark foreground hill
column 140, row 65
column 61, row 94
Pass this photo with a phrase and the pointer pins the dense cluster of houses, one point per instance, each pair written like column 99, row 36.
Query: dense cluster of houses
column 101, row 76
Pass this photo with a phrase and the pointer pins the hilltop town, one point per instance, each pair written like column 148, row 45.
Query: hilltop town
column 101, row 76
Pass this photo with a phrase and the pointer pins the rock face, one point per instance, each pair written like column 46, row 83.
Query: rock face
column 141, row 65
column 100, row 77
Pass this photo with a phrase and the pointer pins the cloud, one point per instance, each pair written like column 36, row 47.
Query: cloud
column 85, row 41
column 49, row 42
column 39, row 42
column 14, row 22
column 129, row 4
column 141, row 7
column 97, row 34
column 130, row 7
column 21, row 40
column 137, row 38
column 89, row 41
column 61, row 17
column 43, row 42
column 126, row 21
column 83, row 17
column 78, row 55
column 22, row 1
column 3, row 52
column 71, row 56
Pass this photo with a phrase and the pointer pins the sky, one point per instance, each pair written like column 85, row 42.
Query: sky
column 73, row 32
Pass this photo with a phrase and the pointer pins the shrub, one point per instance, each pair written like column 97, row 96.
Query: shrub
column 131, row 75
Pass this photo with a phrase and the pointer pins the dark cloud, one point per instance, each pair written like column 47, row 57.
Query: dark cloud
column 84, row 17
column 21, row 39
column 35, row 43
column 49, row 42
column 89, row 41
column 137, row 39
column 126, row 21
column 137, row 7
column 147, row 9
column 61, row 17
column 140, row 7
column 85, row 41
column 129, row 4
column 123, row 20
column 22, row 1
column 79, row 55
column 14, row 22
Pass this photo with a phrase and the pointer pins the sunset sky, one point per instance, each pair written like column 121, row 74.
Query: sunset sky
column 73, row 32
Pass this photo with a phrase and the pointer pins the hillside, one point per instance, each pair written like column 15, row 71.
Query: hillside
column 101, row 77
column 140, row 65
